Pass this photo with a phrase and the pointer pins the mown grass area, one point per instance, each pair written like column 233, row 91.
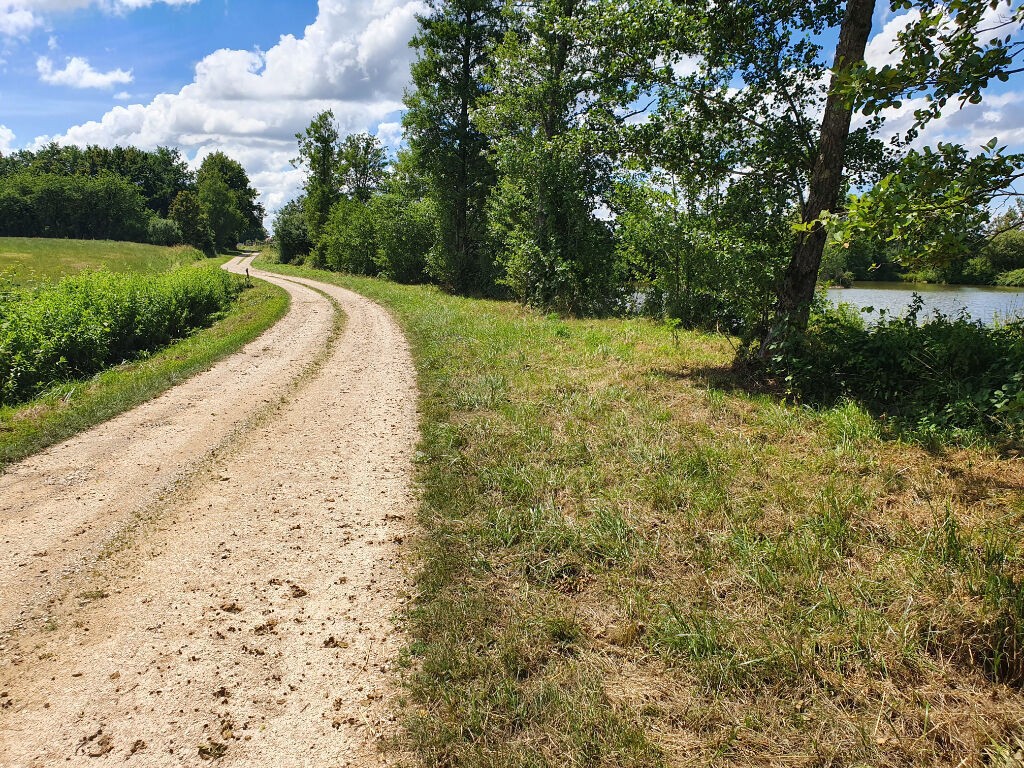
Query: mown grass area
column 71, row 407
column 622, row 564
column 30, row 259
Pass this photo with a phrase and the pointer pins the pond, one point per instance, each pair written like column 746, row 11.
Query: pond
column 981, row 302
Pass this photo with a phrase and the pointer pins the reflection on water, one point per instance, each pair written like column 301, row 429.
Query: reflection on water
column 981, row 302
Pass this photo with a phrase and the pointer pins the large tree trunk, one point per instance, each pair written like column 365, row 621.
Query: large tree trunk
column 797, row 289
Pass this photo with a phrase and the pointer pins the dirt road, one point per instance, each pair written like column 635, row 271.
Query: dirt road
column 215, row 574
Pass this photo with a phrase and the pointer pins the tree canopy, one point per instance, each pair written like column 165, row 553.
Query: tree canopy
column 129, row 194
column 687, row 159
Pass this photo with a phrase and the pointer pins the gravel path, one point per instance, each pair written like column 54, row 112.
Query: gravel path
column 215, row 574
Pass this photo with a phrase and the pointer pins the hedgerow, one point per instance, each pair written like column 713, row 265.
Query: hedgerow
column 74, row 328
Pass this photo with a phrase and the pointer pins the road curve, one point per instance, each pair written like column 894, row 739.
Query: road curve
column 215, row 574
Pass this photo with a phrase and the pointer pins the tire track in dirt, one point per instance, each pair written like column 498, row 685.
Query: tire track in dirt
column 247, row 613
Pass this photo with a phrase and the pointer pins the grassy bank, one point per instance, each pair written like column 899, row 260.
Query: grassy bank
column 71, row 407
column 623, row 565
column 32, row 259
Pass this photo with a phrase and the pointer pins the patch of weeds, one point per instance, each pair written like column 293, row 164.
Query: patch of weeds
column 74, row 407
column 213, row 750
column 608, row 539
column 92, row 594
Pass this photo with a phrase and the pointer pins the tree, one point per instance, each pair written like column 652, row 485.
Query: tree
column 734, row 88
column 543, row 112
column 801, row 276
column 169, row 175
column 188, row 213
column 454, row 43
column 362, row 166
column 105, row 207
column 158, row 175
column 220, row 206
column 245, row 198
column 291, row 233
column 949, row 49
column 405, row 231
column 349, row 240
column 318, row 152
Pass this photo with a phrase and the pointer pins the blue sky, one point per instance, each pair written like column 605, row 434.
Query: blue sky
column 243, row 76
column 158, row 45
column 240, row 76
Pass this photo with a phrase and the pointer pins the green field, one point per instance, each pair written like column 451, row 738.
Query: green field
column 29, row 259
column 627, row 560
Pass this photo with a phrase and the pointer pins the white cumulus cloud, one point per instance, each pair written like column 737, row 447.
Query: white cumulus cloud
column 353, row 59
column 16, row 22
column 79, row 73
column 880, row 50
column 6, row 140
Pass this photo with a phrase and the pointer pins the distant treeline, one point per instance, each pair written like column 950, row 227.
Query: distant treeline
column 126, row 193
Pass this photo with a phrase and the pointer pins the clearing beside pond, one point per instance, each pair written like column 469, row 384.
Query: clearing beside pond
column 629, row 560
column 215, row 573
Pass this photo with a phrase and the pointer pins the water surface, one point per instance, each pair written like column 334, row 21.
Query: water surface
column 981, row 302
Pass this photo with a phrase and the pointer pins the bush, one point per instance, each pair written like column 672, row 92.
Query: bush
column 406, row 231
column 349, row 241
column 290, row 233
column 978, row 271
column 1013, row 278
column 946, row 377
column 1006, row 251
column 187, row 212
column 164, row 232
column 77, row 327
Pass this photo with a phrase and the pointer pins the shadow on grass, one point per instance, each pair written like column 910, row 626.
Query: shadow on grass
column 724, row 378
column 910, row 423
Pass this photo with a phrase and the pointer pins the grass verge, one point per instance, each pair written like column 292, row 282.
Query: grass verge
column 72, row 407
column 623, row 564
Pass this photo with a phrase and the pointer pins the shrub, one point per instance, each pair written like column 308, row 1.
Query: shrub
column 940, row 378
column 978, row 271
column 1013, row 278
column 406, row 231
column 290, row 233
column 194, row 224
column 349, row 241
column 164, row 232
column 82, row 324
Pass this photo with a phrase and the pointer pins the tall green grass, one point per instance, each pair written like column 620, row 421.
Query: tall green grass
column 84, row 323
